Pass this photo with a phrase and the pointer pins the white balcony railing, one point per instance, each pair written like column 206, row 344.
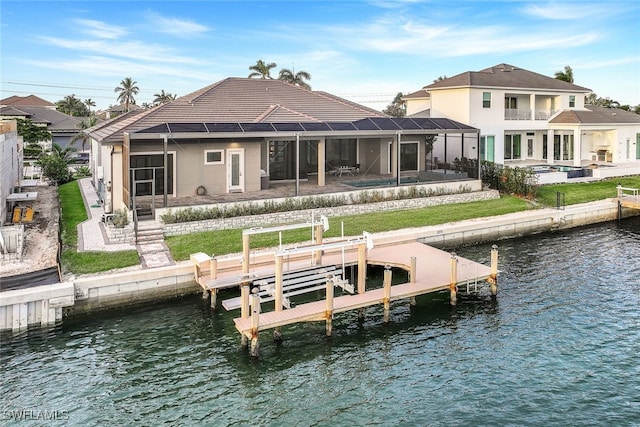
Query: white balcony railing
column 520, row 114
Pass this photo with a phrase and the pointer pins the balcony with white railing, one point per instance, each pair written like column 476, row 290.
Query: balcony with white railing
column 527, row 114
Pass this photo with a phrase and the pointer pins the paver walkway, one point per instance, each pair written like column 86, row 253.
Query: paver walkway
column 92, row 236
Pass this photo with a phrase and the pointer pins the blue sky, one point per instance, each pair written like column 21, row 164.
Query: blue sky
column 365, row 51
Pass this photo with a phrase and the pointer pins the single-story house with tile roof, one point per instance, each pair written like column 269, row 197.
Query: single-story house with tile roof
column 63, row 127
column 224, row 139
column 28, row 101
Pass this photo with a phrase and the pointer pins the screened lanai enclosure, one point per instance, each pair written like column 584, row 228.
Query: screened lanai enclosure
column 236, row 158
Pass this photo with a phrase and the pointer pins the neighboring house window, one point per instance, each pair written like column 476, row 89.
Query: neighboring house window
column 512, row 147
column 213, row 157
column 637, row 146
column 545, row 151
column 567, row 147
column 486, row 99
column 487, row 148
column 510, row 102
column 572, row 101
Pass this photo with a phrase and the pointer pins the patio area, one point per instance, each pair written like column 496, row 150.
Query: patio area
column 334, row 184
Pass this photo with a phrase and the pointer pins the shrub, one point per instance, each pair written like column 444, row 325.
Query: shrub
column 120, row 218
column 293, row 204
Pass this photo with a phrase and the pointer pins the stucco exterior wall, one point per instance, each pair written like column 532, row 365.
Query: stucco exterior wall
column 10, row 163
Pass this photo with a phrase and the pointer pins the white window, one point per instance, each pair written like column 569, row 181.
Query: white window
column 486, row 99
column 214, row 157
column 487, row 148
column 572, row 101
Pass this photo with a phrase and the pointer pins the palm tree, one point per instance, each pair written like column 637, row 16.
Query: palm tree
column 89, row 103
column 162, row 97
column 262, row 69
column 566, row 76
column 297, row 79
column 72, row 106
column 82, row 136
column 127, row 90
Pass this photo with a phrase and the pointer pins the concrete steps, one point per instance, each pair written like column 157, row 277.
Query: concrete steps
column 150, row 245
column 149, row 232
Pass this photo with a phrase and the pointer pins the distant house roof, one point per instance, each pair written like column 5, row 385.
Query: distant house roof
column 29, row 101
column 419, row 94
column 506, row 76
column 116, row 110
column 593, row 114
column 54, row 120
column 239, row 100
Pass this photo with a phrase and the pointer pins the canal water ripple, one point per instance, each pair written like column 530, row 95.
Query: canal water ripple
column 559, row 346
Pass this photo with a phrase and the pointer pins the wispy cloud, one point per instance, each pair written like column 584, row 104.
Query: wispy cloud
column 100, row 29
column 132, row 49
column 176, row 26
column 110, row 67
column 414, row 38
column 601, row 63
column 568, row 11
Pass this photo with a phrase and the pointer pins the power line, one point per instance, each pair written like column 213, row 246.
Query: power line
column 56, row 86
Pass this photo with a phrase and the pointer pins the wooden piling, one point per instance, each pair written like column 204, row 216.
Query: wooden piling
column 244, row 306
column 214, row 298
column 362, row 267
column 213, row 268
column 278, row 283
column 386, row 299
column 246, row 242
column 318, row 237
column 255, row 322
column 412, row 279
column 493, row 283
column 329, row 309
column 454, row 279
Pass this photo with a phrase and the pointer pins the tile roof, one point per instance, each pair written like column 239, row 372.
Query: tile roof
column 55, row 120
column 242, row 100
column 593, row 114
column 506, row 76
column 30, row 101
column 419, row 94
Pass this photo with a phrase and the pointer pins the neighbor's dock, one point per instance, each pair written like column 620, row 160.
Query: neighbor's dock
column 628, row 197
column 296, row 270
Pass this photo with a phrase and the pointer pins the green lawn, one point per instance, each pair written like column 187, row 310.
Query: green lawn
column 230, row 241
column 584, row 192
column 73, row 213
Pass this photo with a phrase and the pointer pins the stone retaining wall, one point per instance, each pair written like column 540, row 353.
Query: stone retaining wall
column 305, row 215
column 119, row 235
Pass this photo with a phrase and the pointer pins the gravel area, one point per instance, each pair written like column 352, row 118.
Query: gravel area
column 41, row 235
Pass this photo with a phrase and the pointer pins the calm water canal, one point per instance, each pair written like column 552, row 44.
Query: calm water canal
column 559, row 346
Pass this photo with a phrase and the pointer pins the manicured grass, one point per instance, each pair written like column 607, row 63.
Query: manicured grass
column 584, row 192
column 95, row 262
column 73, row 213
column 230, row 241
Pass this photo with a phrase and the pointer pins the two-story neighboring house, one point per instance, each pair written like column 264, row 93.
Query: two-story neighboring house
column 526, row 116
